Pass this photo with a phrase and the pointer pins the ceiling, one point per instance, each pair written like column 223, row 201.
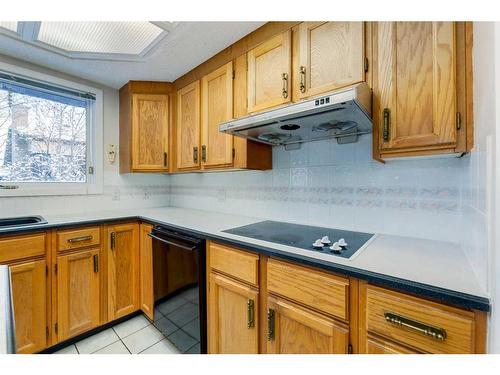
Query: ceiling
column 180, row 47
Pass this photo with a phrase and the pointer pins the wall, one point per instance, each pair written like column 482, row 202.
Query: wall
column 340, row 186
column 139, row 190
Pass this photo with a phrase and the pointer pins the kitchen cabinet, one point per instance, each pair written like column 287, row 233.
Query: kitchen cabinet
column 29, row 298
column 78, row 292
column 146, row 271
column 421, row 89
column 123, row 269
column 376, row 345
column 293, row 329
column 216, row 107
column 188, row 131
column 327, row 56
column 144, row 126
column 269, row 73
column 233, row 325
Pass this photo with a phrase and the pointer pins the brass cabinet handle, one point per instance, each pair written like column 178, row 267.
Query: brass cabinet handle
column 285, row 85
column 96, row 263
column 302, row 73
column 113, row 240
column 270, row 324
column 387, row 122
column 165, row 159
column 204, row 154
column 195, row 155
column 80, row 239
column 250, row 314
column 425, row 329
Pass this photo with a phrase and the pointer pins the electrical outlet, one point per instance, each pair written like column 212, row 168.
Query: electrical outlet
column 116, row 195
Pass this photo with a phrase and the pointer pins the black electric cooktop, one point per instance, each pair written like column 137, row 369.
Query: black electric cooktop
column 302, row 236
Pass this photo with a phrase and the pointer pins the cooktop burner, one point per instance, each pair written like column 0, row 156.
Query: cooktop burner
column 303, row 236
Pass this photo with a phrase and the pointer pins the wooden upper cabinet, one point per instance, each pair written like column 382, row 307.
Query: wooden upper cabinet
column 216, row 108
column 29, row 299
column 232, row 317
column 269, row 73
column 418, row 87
column 123, row 269
column 78, row 293
column 188, row 150
column 292, row 329
column 327, row 56
column 150, row 132
column 144, row 126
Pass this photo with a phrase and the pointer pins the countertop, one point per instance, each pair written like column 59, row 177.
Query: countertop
column 434, row 269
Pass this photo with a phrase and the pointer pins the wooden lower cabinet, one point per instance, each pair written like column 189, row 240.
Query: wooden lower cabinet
column 78, row 292
column 232, row 317
column 377, row 345
column 29, row 298
column 123, row 269
column 293, row 329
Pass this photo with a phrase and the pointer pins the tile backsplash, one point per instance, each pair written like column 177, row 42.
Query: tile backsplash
column 328, row 184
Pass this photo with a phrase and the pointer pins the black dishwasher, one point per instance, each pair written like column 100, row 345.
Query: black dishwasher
column 179, row 267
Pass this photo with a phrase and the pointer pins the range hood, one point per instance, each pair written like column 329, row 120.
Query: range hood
column 343, row 114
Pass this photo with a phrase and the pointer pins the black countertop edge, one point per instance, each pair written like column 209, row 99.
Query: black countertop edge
column 438, row 294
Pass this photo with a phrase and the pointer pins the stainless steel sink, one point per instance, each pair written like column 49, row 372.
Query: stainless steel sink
column 23, row 221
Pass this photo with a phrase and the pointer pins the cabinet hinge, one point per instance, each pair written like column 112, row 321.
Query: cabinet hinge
column 46, row 271
column 458, row 120
column 234, row 74
column 56, row 327
column 55, row 268
column 234, row 153
column 366, row 64
column 349, row 349
column 47, row 332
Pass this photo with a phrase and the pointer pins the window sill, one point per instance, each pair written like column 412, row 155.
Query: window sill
column 62, row 189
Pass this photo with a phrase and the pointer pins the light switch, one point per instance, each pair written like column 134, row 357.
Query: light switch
column 111, row 153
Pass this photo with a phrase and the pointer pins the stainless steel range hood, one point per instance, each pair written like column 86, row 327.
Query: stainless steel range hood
column 342, row 114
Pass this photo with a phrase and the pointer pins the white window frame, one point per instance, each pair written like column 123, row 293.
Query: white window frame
column 94, row 183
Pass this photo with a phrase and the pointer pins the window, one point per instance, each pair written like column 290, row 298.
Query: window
column 48, row 137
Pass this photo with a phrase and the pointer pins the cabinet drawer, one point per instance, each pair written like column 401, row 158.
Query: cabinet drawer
column 319, row 290
column 78, row 238
column 413, row 316
column 20, row 247
column 233, row 262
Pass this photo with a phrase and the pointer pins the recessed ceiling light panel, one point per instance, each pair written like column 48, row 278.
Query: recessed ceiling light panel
column 9, row 25
column 128, row 38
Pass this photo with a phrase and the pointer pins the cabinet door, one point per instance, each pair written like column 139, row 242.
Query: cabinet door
column 146, row 265
column 123, row 270
column 217, row 107
column 188, row 127
column 29, row 299
column 297, row 330
column 330, row 56
column 150, row 132
column 232, row 317
column 269, row 73
column 78, row 296
column 377, row 345
column 414, row 85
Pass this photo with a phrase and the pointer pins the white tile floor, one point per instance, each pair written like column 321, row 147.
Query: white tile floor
column 174, row 331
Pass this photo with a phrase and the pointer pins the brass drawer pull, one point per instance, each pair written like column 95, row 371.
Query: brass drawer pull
column 204, row 154
column 96, row 263
column 425, row 329
column 284, row 76
column 270, row 324
column 387, row 122
column 302, row 73
column 80, row 239
column 250, row 314
column 113, row 240
column 195, row 155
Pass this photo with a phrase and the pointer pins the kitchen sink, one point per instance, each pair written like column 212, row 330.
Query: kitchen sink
column 14, row 222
